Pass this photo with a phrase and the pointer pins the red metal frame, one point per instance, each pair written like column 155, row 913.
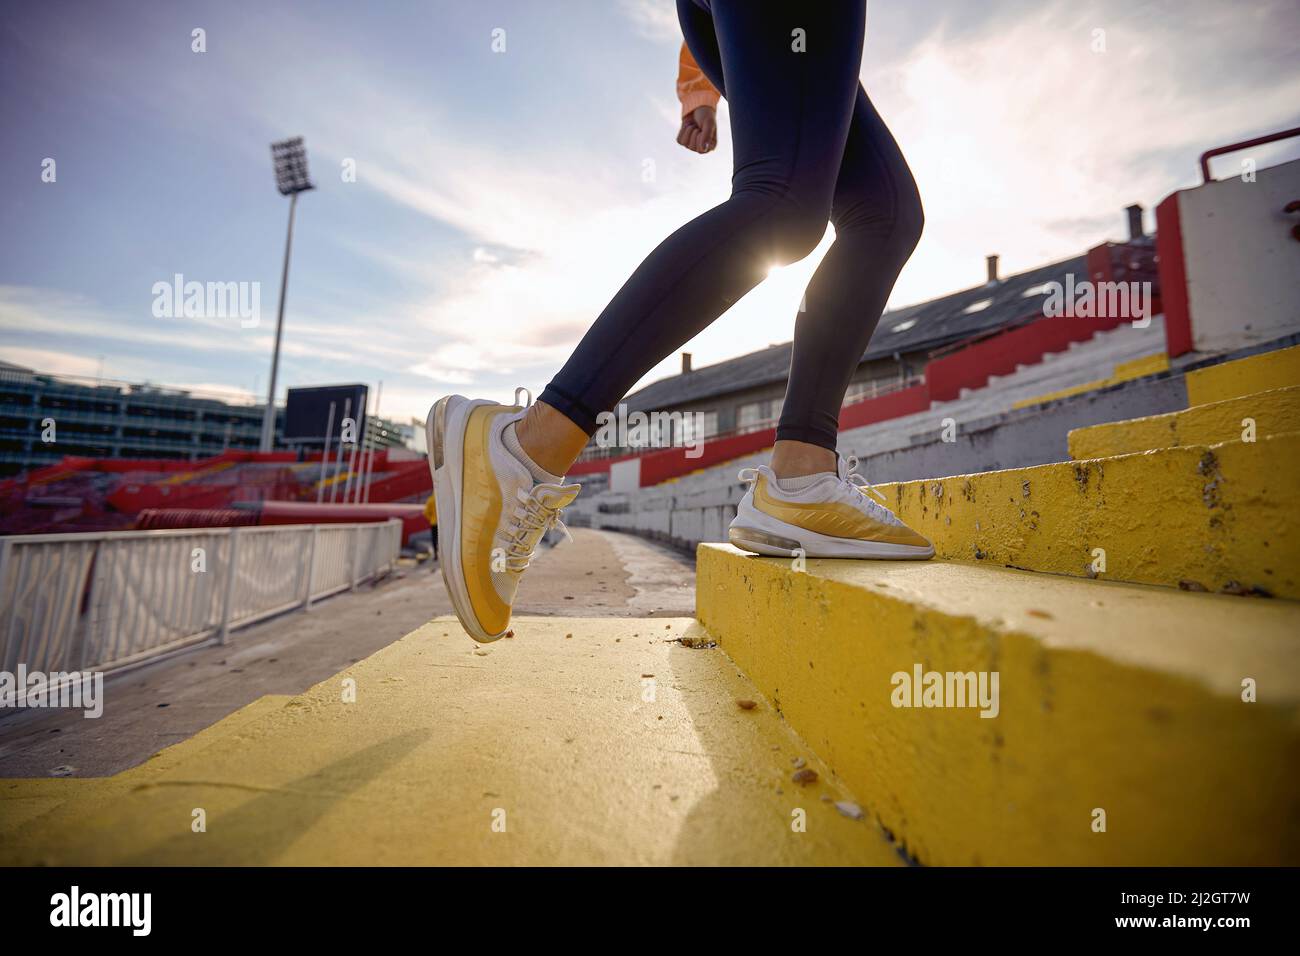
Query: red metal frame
column 1244, row 144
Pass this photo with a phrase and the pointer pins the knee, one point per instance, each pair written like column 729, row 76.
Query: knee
column 893, row 226
column 793, row 231
column 907, row 224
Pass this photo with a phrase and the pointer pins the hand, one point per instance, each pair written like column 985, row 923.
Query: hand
column 699, row 130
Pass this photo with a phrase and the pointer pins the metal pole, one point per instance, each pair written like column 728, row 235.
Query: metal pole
column 268, row 417
column 370, row 474
column 223, row 634
column 352, row 459
column 311, row 569
column 338, row 458
column 329, row 429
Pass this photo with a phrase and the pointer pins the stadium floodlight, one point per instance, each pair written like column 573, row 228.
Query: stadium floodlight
column 290, row 159
column 291, row 178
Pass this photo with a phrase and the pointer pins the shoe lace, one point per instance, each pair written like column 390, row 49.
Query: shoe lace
column 530, row 521
column 855, row 479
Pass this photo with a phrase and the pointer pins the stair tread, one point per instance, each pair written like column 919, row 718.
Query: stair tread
column 1212, row 638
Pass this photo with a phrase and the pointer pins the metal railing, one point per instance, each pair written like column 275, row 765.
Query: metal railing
column 105, row 600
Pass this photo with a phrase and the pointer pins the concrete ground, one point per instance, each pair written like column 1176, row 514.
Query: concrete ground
column 598, row 575
column 585, row 741
column 608, row 728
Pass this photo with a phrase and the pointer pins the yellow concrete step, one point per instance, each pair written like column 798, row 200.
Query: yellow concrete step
column 1236, row 419
column 1220, row 517
column 22, row 801
column 577, row 741
column 1123, row 372
column 1227, row 380
column 1113, row 699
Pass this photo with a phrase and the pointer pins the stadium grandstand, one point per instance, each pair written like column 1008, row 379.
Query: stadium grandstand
column 101, row 418
column 1112, row 496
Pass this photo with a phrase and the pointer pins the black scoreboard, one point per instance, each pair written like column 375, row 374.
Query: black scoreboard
column 307, row 413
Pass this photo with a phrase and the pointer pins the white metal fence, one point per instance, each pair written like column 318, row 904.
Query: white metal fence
column 99, row 601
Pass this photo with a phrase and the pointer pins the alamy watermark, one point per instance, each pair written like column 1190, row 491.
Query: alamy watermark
column 1088, row 300
column 133, row 911
column 180, row 299
column 922, row 688
column 623, row 429
column 69, row 690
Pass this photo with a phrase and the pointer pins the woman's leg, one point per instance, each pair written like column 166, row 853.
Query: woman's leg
column 790, row 75
column 878, row 219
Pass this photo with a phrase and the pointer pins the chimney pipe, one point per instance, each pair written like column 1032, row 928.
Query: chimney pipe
column 686, row 362
column 992, row 262
column 1134, row 222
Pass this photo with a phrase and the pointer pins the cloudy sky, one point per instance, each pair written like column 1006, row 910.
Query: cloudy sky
column 501, row 198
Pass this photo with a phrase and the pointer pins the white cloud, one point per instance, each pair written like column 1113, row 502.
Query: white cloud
column 49, row 362
column 1027, row 143
column 1024, row 142
column 656, row 19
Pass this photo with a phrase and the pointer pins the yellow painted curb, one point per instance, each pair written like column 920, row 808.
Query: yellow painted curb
column 1113, row 699
column 1263, row 413
column 22, row 801
column 1220, row 517
column 577, row 741
column 1268, row 370
column 1124, row 372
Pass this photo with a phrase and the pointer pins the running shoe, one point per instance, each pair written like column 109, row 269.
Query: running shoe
column 837, row 516
column 491, row 512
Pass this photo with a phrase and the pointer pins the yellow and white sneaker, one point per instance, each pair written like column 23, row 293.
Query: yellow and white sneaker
column 491, row 511
column 833, row 516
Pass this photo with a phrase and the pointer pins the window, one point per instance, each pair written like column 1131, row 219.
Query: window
column 697, row 426
column 755, row 415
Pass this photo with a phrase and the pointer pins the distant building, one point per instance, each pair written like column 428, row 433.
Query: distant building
column 103, row 419
column 95, row 418
column 746, row 393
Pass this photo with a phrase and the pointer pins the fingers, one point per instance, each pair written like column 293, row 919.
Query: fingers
column 691, row 137
column 706, row 119
column 708, row 136
column 699, row 132
column 687, row 135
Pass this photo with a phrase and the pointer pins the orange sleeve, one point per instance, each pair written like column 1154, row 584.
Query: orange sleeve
column 693, row 87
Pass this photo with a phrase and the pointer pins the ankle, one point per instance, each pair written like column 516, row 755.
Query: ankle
column 549, row 438
column 797, row 459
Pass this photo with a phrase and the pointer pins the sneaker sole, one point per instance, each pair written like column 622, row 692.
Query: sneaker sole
column 813, row 545
column 445, row 432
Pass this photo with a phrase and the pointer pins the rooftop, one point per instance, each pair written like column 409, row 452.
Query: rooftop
column 924, row 326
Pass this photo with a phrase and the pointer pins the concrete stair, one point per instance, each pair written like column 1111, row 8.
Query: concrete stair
column 1136, row 718
column 579, row 741
column 1135, row 723
column 1119, row 698
column 1270, row 412
column 1220, row 517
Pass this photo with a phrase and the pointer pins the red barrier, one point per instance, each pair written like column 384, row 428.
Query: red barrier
column 1173, row 277
column 153, row 519
column 284, row 513
column 905, row 401
column 1002, row 354
column 672, row 462
column 596, row 466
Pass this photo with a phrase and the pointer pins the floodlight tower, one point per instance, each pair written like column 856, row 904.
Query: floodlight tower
column 290, row 158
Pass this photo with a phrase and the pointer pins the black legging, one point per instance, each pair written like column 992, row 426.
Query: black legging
column 807, row 146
